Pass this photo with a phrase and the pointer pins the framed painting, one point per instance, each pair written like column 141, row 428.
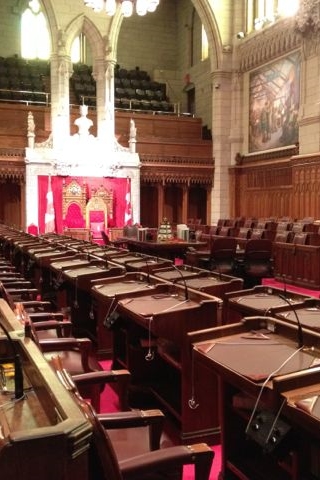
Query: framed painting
column 274, row 96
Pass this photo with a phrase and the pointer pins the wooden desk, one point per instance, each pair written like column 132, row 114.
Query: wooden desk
column 215, row 284
column 76, row 281
column 247, row 358
column 151, row 342
column 259, row 300
column 147, row 264
column 44, row 434
column 20, row 256
column 56, row 268
column 308, row 314
column 171, row 249
column 40, row 274
column 106, row 293
column 125, row 258
column 173, row 273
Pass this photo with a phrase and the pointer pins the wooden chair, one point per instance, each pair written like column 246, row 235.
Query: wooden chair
column 53, row 335
column 74, row 198
column 78, row 359
column 110, row 460
column 285, row 236
column 256, row 262
column 222, row 255
column 98, row 209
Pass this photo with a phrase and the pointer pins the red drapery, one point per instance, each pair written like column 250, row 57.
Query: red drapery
column 117, row 185
column 127, row 212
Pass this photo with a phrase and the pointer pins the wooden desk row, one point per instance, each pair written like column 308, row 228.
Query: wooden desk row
column 209, row 376
column 100, row 286
column 44, row 431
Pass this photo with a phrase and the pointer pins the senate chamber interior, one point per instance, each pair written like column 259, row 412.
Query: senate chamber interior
column 159, row 239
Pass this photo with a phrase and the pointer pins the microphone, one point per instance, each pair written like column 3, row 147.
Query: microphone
column 218, row 268
column 18, row 375
column 186, row 292
column 300, row 332
column 148, row 270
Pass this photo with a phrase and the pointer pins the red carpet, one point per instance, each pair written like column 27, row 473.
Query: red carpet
column 291, row 288
column 109, row 403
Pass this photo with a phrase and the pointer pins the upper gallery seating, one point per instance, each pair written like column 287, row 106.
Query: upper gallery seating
column 28, row 81
column 24, row 80
column 133, row 89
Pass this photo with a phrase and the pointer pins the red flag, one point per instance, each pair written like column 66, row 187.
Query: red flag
column 49, row 219
column 127, row 213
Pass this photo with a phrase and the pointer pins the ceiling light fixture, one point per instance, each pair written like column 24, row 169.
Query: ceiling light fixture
column 141, row 7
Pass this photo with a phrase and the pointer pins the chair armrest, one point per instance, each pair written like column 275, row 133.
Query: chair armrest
column 63, row 328
column 23, row 291
column 120, row 377
column 131, row 419
column 199, row 455
column 38, row 305
column 48, row 345
column 154, row 419
column 17, row 283
column 45, row 316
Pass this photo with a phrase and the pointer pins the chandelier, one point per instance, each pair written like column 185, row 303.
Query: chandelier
column 141, row 7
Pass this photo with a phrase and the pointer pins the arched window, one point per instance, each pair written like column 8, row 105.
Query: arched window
column 263, row 12
column 80, row 51
column 35, row 42
column 204, row 45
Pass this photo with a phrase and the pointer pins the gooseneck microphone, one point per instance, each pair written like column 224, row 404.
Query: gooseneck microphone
column 300, row 332
column 18, row 375
column 186, row 292
column 148, row 269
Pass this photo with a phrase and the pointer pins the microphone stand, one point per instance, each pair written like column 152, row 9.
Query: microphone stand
column 186, row 292
column 148, row 270
column 300, row 332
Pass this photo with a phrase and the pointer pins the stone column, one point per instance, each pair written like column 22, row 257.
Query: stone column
column 221, row 83
column 61, row 70
column 104, row 76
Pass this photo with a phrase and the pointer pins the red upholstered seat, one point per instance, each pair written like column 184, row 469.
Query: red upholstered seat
column 74, row 217
column 33, row 229
column 98, row 210
column 97, row 225
column 73, row 205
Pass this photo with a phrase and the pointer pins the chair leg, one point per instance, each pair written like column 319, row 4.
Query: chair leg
column 203, row 463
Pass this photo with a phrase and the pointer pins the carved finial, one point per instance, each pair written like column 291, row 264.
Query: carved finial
column 31, row 130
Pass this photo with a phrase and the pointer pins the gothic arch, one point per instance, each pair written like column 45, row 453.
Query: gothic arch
column 82, row 24
column 53, row 29
column 208, row 19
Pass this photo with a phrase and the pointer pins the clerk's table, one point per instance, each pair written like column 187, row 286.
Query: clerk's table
column 166, row 249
